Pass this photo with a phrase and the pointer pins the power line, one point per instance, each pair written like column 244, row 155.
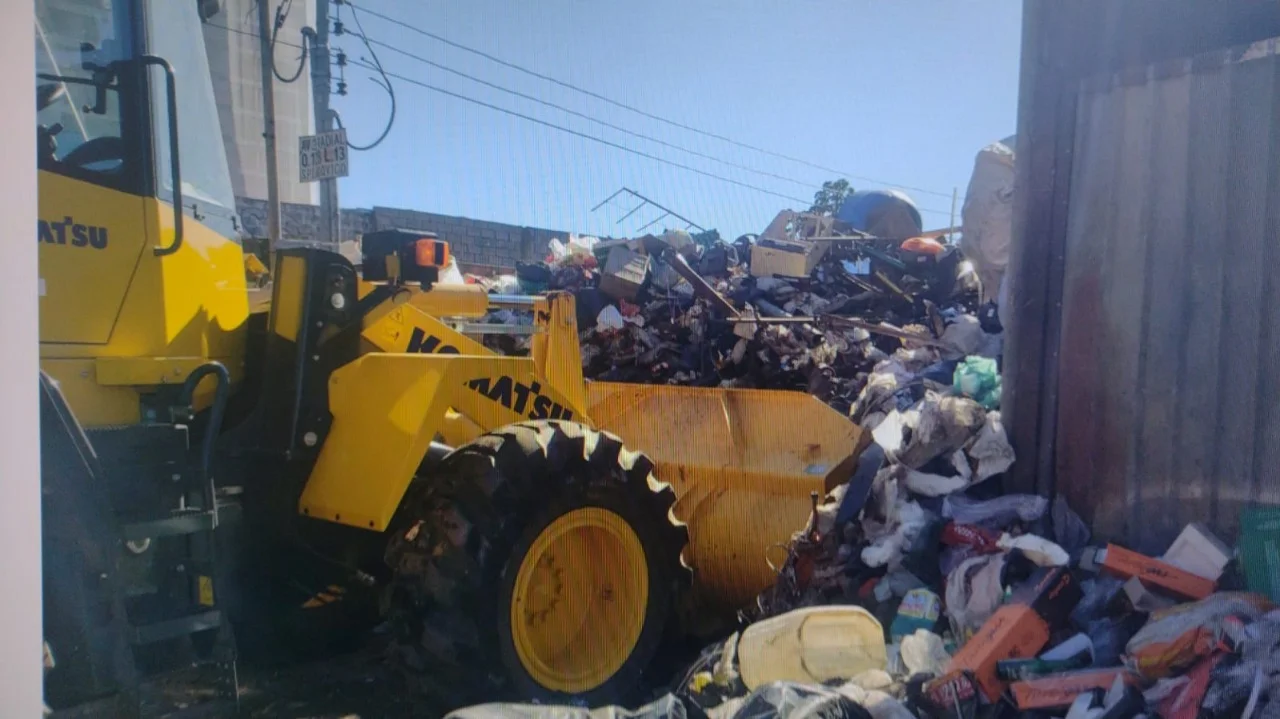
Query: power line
column 631, row 108
column 282, row 13
column 248, row 33
column 370, row 67
column 367, row 66
column 561, row 128
column 385, row 84
column 575, row 113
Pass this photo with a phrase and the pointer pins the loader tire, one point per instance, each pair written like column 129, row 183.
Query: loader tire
column 539, row 562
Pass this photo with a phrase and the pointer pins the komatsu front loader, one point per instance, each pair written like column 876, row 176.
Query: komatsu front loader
column 209, row 468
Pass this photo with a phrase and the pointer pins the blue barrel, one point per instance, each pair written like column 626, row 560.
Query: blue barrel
column 884, row 213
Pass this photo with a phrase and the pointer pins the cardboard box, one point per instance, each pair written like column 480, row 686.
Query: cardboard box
column 624, row 273
column 798, row 260
column 1142, row 600
column 1019, row 629
column 1059, row 690
column 1199, row 551
column 1153, row 573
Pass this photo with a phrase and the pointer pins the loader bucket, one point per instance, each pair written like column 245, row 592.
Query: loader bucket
column 742, row 463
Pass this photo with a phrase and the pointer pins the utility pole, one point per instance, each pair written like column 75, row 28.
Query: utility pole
column 321, row 82
column 269, row 129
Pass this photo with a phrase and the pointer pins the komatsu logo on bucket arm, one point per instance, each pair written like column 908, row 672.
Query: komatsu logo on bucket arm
column 420, row 341
column 519, row 397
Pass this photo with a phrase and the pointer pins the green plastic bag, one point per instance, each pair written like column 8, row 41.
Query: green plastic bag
column 979, row 379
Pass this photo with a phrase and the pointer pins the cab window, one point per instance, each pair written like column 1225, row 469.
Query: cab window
column 174, row 33
column 82, row 110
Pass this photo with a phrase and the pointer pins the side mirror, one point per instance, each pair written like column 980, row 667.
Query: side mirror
column 208, row 8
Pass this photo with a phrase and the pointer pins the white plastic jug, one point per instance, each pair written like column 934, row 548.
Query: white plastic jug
column 811, row 645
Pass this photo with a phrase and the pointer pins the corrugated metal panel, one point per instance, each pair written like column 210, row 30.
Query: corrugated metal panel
column 1169, row 365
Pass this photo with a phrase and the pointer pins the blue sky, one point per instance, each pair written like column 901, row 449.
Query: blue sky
column 900, row 91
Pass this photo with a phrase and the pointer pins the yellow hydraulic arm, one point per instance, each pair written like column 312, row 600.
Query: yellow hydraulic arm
column 391, row 403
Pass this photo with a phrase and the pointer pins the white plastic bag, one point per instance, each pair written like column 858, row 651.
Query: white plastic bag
column 505, row 285
column 610, row 319
column 451, row 275
column 987, row 216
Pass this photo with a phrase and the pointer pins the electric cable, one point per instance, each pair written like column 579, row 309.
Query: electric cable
column 385, row 84
column 593, row 138
column 653, row 116
column 282, row 13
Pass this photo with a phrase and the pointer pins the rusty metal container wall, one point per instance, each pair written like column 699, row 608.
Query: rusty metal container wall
column 1168, row 406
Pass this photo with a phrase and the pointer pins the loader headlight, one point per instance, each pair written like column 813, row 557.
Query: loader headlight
column 338, row 301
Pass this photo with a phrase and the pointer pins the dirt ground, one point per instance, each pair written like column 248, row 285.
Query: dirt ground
column 355, row 685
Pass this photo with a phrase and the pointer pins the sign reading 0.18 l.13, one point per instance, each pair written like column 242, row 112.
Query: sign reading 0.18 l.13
column 323, row 156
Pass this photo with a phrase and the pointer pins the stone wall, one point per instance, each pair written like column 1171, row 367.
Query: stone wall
column 299, row 222
column 473, row 242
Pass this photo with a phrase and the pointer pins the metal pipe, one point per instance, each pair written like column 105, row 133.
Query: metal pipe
column 217, row 409
column 507, row 301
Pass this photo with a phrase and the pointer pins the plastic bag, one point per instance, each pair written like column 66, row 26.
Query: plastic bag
column 794, row 701
column 991, row 448
column 995, row 513
column 1038, row 549
column 987, row 215
column 974, row 592
column 667, row 707
column 581, row 246
column 451, row 275
column 965, row 335
column 505, row 285
column 979, row 378
column 1177, row 638
column 945, row 425
column 610, row 319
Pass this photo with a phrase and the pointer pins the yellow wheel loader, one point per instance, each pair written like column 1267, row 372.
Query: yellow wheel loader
column 206, row 466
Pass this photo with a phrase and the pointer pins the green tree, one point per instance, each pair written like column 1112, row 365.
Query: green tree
column 828, row 200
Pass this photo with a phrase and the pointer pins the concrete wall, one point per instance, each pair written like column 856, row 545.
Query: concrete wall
column 474, row 242
column 237, row 87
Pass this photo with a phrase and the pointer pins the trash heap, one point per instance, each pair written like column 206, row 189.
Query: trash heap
column 920, row 589
column 809, row 305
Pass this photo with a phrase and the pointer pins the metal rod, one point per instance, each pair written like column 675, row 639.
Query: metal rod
column 486, row 328
column 889, row 330
column 646, row 201
column 506, row 301
column 632, row 212
column 656, row 220
column 773, row 320
column 676, row 215
column 954, row 194
column 606, row 200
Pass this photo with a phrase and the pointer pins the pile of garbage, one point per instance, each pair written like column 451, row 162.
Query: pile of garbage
column 919, row 588
column 810, row 304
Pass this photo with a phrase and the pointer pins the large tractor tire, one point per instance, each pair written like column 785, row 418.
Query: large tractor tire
column 539, row 562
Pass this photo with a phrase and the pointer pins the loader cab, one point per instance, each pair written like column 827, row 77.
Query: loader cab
column 141, row 269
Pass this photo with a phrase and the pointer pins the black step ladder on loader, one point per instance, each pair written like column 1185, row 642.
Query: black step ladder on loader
column 145, row 508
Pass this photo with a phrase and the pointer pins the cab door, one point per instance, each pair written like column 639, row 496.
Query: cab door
column 92, row 165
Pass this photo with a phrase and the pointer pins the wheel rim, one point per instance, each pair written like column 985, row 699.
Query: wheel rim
column 579, row 600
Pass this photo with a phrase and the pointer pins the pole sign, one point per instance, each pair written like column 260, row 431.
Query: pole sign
column 322, row 156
